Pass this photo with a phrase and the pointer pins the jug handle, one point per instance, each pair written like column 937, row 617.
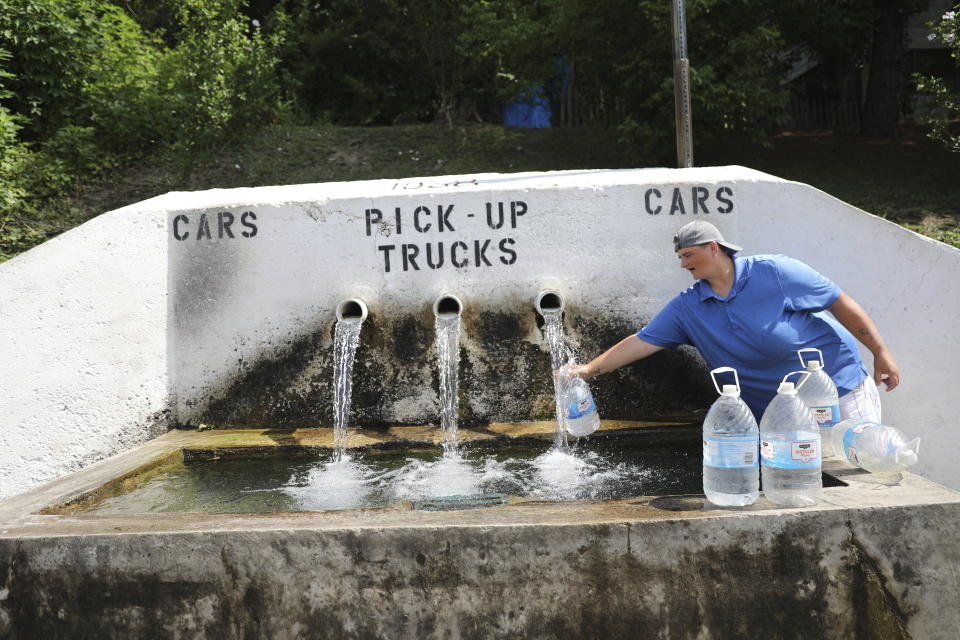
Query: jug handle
column 713, row 377
column 819, row 355
column 805, row 374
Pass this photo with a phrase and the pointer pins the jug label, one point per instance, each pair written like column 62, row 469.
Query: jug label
column 579, row 409
column 730, row 453
column 850, row 437
column 826, row 416
column 791, row 454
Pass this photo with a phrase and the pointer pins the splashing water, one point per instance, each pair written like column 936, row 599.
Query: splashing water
column 450, row 475
column 337, row 484
column 555, row 475
column 447, row 328
column 346, row 338
column 560, row 353
column 559, row 475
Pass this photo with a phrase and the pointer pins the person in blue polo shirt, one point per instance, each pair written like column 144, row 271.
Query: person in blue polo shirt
column 754, row 314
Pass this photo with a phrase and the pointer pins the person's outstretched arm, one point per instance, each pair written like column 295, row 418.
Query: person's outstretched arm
column 851, row 315
column 628, row 350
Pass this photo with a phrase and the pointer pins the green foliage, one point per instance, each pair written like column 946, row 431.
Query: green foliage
column 11, row 151
column 947, row 30
column 622, row 56
column 86, row 89
column 513, row 42
column 15, row 236
column 219, row 79
column 72, row 83
column 355, row 61
column 51, row 45
column 82, row 64
column 125, row 104
column 89, row 86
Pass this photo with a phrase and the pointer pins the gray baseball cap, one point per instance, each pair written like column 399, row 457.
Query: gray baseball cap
column 700, row 232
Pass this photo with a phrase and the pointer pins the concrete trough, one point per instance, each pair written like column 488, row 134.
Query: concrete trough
column 217, row 308
column 877, row 558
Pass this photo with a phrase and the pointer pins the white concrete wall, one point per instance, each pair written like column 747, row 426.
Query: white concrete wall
column 602, row 237
column 83, row 340
column 236, row 300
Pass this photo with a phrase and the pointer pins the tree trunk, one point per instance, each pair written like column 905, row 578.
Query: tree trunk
column 881, row 109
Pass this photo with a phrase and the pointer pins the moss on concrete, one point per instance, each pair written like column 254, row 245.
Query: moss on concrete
column 505, row 374
column 125, row 483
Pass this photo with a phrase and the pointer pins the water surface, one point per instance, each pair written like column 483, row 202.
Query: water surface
column 587, row 471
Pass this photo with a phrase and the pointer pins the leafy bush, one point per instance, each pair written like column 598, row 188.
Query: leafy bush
column 52, row 46
column 11, row 150
column 947, row 30
column 76, row 88
column 220, row 79
column 15, row 234
column 83, row 89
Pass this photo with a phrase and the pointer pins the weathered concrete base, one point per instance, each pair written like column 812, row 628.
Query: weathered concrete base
column 876, row 559
column 874, row 573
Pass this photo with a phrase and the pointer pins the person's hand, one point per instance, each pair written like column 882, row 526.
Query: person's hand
column 585, row 371
column 885, row 370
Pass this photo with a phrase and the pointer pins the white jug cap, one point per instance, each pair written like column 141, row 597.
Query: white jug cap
column 907, row 454
column 813, row 365
column 731, row 390
column 907, row 458
column 787, row 388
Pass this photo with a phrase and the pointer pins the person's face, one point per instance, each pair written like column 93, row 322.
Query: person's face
column 699, row 261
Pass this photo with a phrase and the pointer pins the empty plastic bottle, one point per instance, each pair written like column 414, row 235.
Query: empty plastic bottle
column 731, row 466
column 790, row 449
column 820, row 395
column 580, row 411
column 875, row 447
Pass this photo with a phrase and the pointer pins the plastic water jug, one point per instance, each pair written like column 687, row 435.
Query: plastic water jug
column 790, row 449
column 580, row 411
column 731, row 465
column 875, row 447
column 820, row 395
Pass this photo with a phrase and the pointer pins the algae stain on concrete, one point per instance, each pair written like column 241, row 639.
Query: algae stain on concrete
column 505, row 375
column 877, row 611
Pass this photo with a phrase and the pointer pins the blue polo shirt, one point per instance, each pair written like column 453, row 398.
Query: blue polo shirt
column 775, row 307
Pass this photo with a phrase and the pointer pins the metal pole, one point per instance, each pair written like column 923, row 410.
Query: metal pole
column 681, row 85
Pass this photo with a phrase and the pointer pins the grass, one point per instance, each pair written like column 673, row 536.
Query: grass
column 301, row 154
column 911, row 181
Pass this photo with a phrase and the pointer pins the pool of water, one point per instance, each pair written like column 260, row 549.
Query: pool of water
column 593, row 469
column 590, row 470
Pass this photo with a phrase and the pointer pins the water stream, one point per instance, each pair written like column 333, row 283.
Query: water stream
column 346, row 338
column 448, row 359
column 559, row 473
column 560, row 354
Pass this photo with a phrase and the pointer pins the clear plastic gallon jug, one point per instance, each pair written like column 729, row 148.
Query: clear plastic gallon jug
column 580, row 411
column 875, row 447
column 790, row 449
column 819, row 393
column 731, row 465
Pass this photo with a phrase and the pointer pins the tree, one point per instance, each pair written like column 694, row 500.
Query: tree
column 881, row 107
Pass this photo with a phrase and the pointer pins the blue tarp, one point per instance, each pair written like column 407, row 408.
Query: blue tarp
column 533, row 111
